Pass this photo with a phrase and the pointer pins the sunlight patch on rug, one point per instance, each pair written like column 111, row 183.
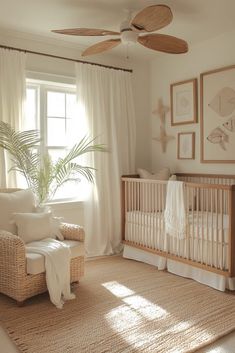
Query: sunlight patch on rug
column 137, row 303
column 118, row 289
column 145, row 308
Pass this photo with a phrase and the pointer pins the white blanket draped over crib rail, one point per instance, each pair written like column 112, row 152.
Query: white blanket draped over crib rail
column 175, row 215
column 57, row 264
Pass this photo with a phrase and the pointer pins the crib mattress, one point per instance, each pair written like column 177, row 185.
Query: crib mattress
column 206, row 242
column 201, row 218
column 201, row 225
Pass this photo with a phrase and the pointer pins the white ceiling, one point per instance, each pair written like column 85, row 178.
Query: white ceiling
column 193, row 20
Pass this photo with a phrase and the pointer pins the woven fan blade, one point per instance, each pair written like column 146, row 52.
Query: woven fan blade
column 101, row 46
column 164, row 43
column 85, row 32
column 152, row 18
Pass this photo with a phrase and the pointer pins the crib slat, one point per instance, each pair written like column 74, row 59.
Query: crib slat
column 148, row 235
column 216, row 227
column 201, row 223
column 221, row 256
column 231, row 251
column 187, row 247
column 193, row 227
column 197, row 225
column 138, row 230
column 207, row 228
column 159, row 234
column 161, row 216
column 212, row 230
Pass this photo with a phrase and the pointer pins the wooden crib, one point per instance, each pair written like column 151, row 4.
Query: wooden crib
column 209, row 243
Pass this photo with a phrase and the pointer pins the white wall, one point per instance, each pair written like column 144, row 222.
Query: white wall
column 71, row 212
column 141, row 84
column 167, row 69
column 141, row 91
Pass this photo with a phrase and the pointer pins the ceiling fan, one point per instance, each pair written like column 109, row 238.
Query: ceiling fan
column 149, row 19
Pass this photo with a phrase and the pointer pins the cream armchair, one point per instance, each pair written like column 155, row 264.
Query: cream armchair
column 22, row 275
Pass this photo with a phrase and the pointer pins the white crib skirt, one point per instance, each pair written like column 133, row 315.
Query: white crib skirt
column 210, row 279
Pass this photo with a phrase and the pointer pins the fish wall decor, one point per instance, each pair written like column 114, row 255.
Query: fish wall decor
column 224, row 102
column 230, row 124
column 218, row 136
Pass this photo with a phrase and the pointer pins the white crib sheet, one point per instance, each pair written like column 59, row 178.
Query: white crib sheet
column 200, row 224
column 207, row 236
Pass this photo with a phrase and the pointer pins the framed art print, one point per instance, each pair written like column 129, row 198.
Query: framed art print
column 186, row 145
column 184, row 102
column 218, row 116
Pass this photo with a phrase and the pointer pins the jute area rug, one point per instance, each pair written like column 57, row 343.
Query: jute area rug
column 122, row 306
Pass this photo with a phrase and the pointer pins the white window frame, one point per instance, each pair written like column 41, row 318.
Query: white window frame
column 42, row 87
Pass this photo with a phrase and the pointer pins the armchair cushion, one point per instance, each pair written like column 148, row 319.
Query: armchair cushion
column 18, row 201
column 36, row 226
column 36, row 262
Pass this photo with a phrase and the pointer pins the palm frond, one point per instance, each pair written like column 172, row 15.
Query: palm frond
column 41, row 174
column 19, row 145
column 44, row 178
column 83, row 147
column 74, row 169
column 11, row 139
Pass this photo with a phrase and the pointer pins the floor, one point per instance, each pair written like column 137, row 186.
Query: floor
column 224, row 345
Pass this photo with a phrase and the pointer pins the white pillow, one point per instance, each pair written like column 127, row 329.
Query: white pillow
column 173, row 177
column 163, row 174
column 36, row 226
column 14, row 202
column 55, row 223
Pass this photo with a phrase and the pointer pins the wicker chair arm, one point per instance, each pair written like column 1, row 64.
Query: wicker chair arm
column 12, row 254
column 72, row 232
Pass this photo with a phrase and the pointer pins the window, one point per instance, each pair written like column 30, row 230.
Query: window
column 51, row 108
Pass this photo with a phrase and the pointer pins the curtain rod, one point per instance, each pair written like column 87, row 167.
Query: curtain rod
column 64, row 58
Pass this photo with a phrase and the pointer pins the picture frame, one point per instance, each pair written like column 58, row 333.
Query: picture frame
column 186, row 145
column 184, row 102
column 217, row 115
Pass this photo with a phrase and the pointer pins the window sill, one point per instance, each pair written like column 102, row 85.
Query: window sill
column 69, row 204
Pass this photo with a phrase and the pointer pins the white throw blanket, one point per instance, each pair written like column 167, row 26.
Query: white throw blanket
column 175, row 215
column 57, row 264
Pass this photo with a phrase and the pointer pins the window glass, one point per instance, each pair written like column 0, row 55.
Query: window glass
column 55, row 153
column 68, row 190
column 54, row 106
column 56, row 132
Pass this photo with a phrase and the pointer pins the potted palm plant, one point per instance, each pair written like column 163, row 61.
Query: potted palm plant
column 43, row 175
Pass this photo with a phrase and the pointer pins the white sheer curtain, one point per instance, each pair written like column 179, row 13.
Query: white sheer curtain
column 105, row 97
column 12, row 98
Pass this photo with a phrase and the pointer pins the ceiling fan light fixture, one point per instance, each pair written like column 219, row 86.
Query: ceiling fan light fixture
column 133, row 30
column 129, row 36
